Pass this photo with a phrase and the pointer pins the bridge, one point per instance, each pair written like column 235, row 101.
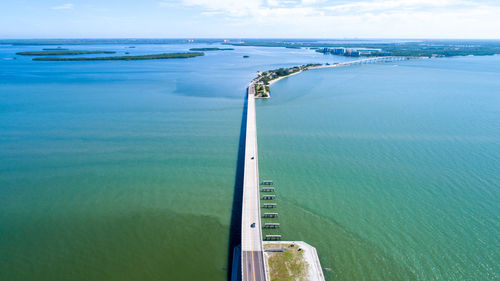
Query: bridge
column 252, row 255
column 363, row 61
column 374, row 60
column 253, row 267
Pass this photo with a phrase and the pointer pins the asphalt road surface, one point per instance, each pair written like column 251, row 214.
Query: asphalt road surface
column 251, row 232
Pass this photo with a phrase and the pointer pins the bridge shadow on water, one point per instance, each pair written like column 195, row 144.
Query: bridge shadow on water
column 235, row 224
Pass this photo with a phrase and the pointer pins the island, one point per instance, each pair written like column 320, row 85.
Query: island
column 211, row 49
column 60, row 52
column 265, row 79
column 141, row 57
column 55, row 49
column 409, row 48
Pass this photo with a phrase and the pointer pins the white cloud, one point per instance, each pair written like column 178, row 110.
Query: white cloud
column 360, row 18
column 211, row 13
column 379, row 6
column 169, row 3
column 273, row 3
column 232, row 8
column 316, row 7
column 312, row 2
column 65, row 6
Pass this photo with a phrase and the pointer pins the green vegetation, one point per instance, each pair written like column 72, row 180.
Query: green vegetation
column 422, row 48
column 59, row 52
column 54, row 49
column 130, row 42
column 415, row 48
column 262, row 81
column 142, row 57
column 268, row 76
column 211, row 49
column 287, row 265
column 442, row 50
column 261, row 91
column 270, row 44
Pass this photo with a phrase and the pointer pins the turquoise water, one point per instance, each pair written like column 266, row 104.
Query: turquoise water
column 393, row 170
column 122, row 170
column 126, row 170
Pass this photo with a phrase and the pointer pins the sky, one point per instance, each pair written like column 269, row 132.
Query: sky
column 479, row 19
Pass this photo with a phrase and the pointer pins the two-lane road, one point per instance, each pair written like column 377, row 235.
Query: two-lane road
column 253, row 266
column 251, row 232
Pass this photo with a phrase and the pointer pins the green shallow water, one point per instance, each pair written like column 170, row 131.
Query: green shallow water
column 126, row 170
column 122, row 170
column 391, row 171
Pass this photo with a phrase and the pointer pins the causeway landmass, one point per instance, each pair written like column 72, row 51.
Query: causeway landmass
column 267, row 78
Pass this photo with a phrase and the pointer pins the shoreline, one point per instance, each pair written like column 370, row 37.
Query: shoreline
column 125, row 58
column 300, row 71
column 303, row 68
column 283, row 77
column 274, row 251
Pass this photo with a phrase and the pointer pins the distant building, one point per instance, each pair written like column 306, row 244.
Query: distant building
column 365, row 52
column 333, row 51
column 353, row 52
column 338, row 51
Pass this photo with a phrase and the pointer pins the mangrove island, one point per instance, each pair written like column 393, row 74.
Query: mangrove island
column 59, row 52
column 141, row 57
column 211, row 49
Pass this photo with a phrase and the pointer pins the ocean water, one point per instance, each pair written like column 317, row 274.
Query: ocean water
column 391, row 170
column 122, row 170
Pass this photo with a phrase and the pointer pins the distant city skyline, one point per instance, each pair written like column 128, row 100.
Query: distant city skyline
column 251, row 19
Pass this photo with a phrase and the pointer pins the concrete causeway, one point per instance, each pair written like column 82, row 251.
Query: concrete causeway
column 252, row 258
column 253, row 261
